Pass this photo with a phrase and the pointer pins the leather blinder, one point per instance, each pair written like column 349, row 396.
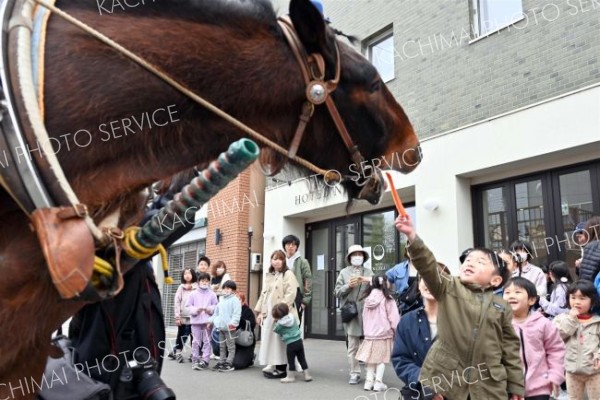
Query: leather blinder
column 68, row 247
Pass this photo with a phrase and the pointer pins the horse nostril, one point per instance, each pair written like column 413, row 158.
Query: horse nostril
column 419, row 153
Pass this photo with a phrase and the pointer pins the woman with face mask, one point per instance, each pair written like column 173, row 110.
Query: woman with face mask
column 350, row 285
column 521, row 253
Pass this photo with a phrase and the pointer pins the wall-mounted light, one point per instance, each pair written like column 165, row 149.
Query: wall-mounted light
column 431, row 205
column 218, row 236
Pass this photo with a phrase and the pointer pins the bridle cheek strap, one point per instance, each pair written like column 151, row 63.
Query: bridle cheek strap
column 317, row 90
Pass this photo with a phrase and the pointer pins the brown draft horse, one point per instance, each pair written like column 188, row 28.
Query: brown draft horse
column 232, row 53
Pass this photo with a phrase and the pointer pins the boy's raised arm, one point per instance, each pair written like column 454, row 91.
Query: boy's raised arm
column 422, row 259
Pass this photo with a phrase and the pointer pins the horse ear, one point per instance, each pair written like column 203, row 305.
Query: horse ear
column 310, row 25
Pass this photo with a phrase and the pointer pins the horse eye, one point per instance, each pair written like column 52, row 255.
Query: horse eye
column 375, row 86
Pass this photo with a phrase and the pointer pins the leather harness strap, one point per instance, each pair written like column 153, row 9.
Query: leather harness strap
column 317, row 90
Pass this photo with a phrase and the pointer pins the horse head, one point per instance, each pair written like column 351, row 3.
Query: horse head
column 375, row 121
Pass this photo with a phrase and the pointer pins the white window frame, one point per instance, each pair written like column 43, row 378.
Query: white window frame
column 373, row 42
column 476, row 20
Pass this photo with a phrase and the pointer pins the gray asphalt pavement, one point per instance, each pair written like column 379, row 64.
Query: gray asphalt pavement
column 328, row 365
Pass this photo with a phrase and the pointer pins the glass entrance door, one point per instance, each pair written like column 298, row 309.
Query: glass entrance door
column 576, row 206
column 327, row 244
column 318, row 315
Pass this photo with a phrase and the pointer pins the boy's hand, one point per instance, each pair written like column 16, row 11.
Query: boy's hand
column 259, row 319
column 596, row 364
column 232, row 327
column 404, row 225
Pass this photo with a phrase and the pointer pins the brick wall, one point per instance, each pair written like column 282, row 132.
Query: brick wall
column 231, row 211
column 444, row 82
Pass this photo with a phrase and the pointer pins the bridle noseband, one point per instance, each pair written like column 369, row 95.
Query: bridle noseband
column 318, row 91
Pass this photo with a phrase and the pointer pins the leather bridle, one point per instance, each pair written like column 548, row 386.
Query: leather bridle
column 318, row 91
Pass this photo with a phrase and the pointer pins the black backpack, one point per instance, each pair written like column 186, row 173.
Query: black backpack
column 121, row 341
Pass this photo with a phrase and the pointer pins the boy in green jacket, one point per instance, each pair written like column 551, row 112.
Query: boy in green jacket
column 476, row 354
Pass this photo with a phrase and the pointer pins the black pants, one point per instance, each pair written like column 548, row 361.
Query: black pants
column 293, row 350
column 183, row 332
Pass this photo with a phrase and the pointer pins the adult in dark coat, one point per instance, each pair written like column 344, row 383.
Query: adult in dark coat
column 590, row 262
column 244, row 356
column 414, row 336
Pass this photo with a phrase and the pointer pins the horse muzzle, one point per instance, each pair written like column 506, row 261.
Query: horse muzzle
column 372, row 188
column 411, row 158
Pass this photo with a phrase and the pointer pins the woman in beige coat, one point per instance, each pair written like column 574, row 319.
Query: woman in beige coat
column 280, row 287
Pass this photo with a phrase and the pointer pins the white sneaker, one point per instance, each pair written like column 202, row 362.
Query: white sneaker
column 563, row 395
column 369, row 385
column 268, row 369
column 379, row 386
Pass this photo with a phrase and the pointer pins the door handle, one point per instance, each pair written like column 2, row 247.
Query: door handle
column 327, row 288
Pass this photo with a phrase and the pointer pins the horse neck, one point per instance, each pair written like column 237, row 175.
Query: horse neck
column 249, row 75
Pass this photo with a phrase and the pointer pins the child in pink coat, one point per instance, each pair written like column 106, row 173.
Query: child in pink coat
column 380, row 319
column 542, row 349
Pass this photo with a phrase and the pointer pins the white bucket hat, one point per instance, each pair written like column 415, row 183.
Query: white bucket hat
column 354, row 248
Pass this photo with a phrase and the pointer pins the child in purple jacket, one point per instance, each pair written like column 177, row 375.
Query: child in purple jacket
column 542, row 349
column 201, row 305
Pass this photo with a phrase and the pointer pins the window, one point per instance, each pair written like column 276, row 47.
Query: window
column 494, row 218
column 381, row 55
column 542, row 209
column 379, row 235
column 381, row 240
column 183, row 256
column 492, row 15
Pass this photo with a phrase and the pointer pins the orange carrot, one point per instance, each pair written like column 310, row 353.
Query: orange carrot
column 395, row 195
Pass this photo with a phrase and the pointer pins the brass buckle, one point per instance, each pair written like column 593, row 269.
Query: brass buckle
column 114, row 233
column 81, row 210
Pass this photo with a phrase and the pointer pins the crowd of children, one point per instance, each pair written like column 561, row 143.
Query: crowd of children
column 205, row 306
column 208, row 307
column 520, row 345
column 491, row 332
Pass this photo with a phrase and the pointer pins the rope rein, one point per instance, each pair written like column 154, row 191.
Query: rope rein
column 103, row 271
column 182, row 88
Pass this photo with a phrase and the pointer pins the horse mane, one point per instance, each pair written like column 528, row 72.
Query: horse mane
column 223, row 12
